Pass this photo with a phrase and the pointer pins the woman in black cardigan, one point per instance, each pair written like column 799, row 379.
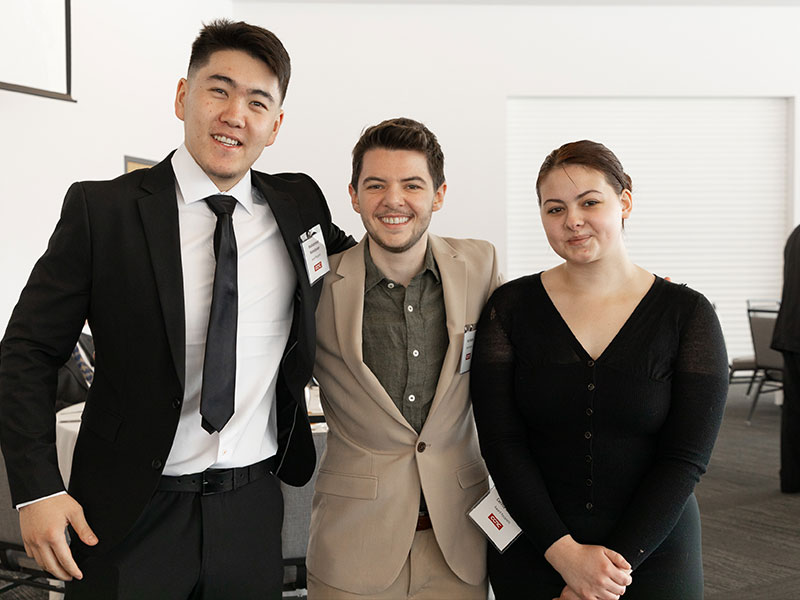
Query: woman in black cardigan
column 598, row 390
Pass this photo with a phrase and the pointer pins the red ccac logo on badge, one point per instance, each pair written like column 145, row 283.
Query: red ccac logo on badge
column 495, row 521
column 318, row 266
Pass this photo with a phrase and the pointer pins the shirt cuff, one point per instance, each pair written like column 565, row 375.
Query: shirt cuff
column 21, row 504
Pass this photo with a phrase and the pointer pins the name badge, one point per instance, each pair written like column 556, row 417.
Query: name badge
column 466, row 349
column 491, row 516
column 315, row 255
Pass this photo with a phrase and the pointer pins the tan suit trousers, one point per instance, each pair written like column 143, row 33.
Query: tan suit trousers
column 425, row 576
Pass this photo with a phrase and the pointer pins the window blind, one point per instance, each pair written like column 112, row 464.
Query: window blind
column 710, row 189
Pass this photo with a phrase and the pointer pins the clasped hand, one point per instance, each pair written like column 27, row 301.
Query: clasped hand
column 590, row 572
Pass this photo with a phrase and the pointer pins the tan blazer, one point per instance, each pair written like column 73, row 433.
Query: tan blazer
column 366, row 499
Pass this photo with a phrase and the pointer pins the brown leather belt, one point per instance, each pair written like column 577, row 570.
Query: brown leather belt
column 423, row 522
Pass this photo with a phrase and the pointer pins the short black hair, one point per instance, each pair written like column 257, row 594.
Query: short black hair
column 261, row 44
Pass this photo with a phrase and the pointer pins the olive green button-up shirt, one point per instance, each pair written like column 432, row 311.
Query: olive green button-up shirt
column 404, row 336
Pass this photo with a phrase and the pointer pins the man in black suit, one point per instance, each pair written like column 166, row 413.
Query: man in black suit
column 74, row 376
column 786, row 339
column 164, row 500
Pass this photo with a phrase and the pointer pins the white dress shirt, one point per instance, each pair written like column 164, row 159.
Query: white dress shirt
column 267, row 281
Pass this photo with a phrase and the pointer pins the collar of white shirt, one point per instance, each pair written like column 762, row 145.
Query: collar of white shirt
column 195, row 185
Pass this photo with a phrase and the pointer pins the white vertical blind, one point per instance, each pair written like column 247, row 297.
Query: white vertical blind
column 710, row 188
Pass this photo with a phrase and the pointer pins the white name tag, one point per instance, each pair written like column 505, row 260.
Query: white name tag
column 491, row 516
column 315, row 255
column 466, row 349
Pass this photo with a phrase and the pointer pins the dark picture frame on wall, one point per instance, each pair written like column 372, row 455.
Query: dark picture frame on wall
column 30, row 28
column 133, row 164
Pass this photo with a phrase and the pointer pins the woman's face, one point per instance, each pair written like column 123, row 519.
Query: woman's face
column 582, row 214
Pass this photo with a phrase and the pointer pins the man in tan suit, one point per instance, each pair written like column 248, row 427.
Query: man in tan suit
column 402, row 465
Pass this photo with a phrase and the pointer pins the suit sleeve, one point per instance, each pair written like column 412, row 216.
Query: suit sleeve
column 41, row 334
column 336, row 240
column 686, row 439
column 502, row 432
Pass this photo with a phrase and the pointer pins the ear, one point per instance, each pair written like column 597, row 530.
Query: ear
column 438, row 198
column 627, row 203
column 180, row 98
column 353, row 198
column 276, row 126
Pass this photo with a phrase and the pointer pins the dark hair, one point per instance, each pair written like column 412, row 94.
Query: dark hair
column 592, row 155
column 400, row 134
column 261, row 44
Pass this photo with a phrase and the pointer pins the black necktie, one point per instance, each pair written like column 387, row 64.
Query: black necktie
column 219, row 365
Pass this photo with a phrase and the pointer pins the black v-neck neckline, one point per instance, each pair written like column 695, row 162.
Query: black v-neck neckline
column 640, row 306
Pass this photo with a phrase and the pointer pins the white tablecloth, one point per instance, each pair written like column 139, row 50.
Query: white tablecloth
column 68, row 422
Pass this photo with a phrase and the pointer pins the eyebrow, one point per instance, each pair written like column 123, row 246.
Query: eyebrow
column 404, row 180
column 233, row 84
column 579, row 196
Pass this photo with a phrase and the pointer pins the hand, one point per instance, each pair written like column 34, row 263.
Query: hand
column 43, row 524
column 591, row 572
column 568, row 594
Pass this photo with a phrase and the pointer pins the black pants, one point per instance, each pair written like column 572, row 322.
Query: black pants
column 188, row 546
column 790, row 424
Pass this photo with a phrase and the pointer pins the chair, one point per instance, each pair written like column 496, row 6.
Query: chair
column 748, row 363
column 296, row 523
column 768, row 362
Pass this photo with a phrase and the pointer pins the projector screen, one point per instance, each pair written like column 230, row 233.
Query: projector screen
column 35, row 47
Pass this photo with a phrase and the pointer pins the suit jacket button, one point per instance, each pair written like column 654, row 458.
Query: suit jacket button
column 156, row 464
column 421, row 447
column 176, row 402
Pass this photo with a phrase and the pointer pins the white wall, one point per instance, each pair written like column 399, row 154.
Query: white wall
column 125, row 68
column 451, row 66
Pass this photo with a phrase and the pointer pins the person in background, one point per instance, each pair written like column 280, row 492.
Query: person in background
column 786, row 339
column 598, row 390
column 75, row 376
column 402, row 465
column 193, row 277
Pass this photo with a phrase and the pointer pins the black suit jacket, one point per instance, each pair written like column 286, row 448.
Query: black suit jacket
column 786, row 336
column 72, row 386
column 115, row 258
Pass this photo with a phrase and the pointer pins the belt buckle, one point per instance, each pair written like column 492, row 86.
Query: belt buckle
column 216, row 485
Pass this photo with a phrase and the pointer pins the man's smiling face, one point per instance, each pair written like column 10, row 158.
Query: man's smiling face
column 396, row 197
column 231, row 111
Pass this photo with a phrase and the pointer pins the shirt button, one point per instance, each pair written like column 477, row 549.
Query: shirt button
column 415, row 353
column 411, row 397
column 410, row 308
column 588, row 435
column 390, row 285
column 589, row 506
column 588, row 458
column 590, row 363
column 176, row 402
column 588, row 483
column 421, row 447
column 590, row 387
column 589, row 412
column 156, row 464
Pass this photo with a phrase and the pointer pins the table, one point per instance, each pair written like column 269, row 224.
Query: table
column 68, row 423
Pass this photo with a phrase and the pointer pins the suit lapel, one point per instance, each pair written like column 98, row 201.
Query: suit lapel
column 159, row 212
column 453, row 271
column 284, row 209
column 348, row 310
